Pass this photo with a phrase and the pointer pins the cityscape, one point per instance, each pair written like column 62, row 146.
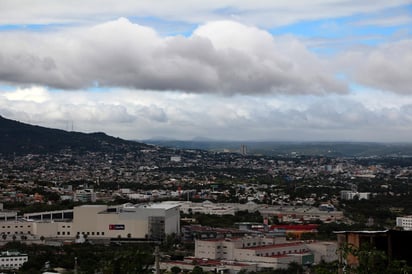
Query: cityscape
column 222, row 212
column 205, row 137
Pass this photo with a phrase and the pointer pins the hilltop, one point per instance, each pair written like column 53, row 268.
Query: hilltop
column 21, row 138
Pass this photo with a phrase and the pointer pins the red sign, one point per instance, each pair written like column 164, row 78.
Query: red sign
column 116, row 227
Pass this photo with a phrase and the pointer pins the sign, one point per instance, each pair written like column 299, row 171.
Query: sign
column 116, row 227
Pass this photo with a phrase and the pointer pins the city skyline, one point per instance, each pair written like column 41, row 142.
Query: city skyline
column 328, row 71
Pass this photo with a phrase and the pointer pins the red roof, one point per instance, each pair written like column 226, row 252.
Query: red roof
column 274, row 246
column 307, row 227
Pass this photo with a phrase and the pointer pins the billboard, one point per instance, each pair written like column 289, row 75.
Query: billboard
column 116, row 227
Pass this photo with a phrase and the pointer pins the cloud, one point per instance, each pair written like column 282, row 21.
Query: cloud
column 220, row 57
column 387, row 67
column 134, row 114
column 263, row 13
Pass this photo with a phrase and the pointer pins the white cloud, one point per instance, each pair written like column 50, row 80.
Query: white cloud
column 262, row 12
column 386, row 67
column 386, row 21
column 134, row 114
column 220, row 57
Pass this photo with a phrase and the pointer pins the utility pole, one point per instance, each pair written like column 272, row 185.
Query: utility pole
column 75, row 265
column 157, row 259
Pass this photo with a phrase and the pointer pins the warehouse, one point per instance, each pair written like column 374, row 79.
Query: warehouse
column 142, row 221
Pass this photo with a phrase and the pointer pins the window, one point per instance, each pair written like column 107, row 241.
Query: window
column 58, row 232
column 68, row 232
column 102, row 233
column 63, row 233
column 92, row 232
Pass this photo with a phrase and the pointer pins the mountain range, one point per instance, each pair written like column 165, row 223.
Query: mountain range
column 21, row 138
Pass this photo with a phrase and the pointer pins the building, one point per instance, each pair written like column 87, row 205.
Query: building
column 323, row 251
column 12, row 260
column 396, row 244
column 295, row 230
column 265, row 252
column 299, row 214
column 350, row 195
column 404, row 222
column 85, row 195
column 243, row 149
column 192, row 232
column 6, row 215
column 210, row 266
column 144, row 221
column 208, row 207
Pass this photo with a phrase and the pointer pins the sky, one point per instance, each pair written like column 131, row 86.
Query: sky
column 262, row 70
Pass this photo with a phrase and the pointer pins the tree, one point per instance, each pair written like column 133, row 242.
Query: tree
column 371, row 260
column 176, row 270
column 197, row 270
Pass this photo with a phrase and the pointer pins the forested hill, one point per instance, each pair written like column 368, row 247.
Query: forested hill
column 21, row 138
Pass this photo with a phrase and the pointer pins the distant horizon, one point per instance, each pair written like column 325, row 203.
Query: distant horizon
column 265, row 141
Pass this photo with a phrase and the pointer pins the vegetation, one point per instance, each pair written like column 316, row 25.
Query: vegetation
column 108, row 259
column 227, row 220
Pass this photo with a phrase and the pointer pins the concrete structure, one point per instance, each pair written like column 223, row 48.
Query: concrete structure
column 265, row 252
column 404, row 222
column 211, row 266
column 85, row 195
column 350, row 195
column 323, row 251
column 145, row 221
column 208, row 207
column 298, row 214
column 6, row 215
column 12, row 260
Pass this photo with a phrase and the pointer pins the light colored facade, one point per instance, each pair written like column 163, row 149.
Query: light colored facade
column 12, row 260
column 272, row 252
column 324, row 251
column 404, row 222
column 300, row 213
column 212, row 266
column 208, row 207
column 85, row 195
column 147, row 221
column 350, row 195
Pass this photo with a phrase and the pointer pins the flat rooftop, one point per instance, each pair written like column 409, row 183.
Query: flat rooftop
column 163, row 205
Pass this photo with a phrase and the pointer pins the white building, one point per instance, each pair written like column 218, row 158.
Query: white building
column 263, row 251
column 324, row 251
column 12, row 260
column 85, row 195
column 208, row 207
column 145, row 221
column 350, row 195
column 404, row 222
